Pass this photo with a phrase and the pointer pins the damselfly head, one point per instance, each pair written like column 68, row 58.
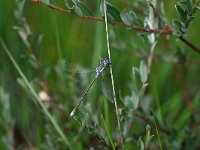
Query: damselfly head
column 105, row 62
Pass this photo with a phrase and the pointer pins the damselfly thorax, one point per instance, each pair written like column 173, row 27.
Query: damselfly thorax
column 103, row 64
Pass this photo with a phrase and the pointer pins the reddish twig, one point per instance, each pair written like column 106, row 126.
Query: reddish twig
column 150, row 58
column 162, row 32
column 190, row 44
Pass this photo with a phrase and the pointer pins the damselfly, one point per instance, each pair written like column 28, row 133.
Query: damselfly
column 102, row 84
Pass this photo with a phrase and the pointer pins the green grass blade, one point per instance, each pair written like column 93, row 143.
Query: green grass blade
column 98, row 47
column 108, row 133
column 155, row 93
column 98, row 42
column 106, row 113
column 46, row 112
column 58, row 46
column 157, row 133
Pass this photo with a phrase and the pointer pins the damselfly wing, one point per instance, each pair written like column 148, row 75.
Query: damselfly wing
column 104, row 83
column 76, row 68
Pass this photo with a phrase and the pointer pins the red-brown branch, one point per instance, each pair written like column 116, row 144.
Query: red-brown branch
column 163, row 32
column 159, row 31
column 190, row 44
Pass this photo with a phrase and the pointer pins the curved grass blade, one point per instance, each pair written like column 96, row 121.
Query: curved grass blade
column 108, row 133
column 33, row 92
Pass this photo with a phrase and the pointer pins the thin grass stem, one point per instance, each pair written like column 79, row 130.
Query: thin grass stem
column 112, row 78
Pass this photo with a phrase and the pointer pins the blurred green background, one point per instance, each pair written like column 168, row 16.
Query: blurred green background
column 173, row 91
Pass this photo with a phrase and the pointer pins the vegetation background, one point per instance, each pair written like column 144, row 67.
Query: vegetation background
column 168, row 109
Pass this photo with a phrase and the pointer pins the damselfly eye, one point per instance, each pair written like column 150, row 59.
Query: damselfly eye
column 106, row 62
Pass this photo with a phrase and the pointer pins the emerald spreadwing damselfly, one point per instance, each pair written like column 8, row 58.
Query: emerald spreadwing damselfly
column 104, row 86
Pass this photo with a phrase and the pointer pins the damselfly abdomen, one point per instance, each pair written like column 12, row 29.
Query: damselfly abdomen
column 103, row 84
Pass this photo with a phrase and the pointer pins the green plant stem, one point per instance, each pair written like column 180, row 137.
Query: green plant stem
column 33, row 92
